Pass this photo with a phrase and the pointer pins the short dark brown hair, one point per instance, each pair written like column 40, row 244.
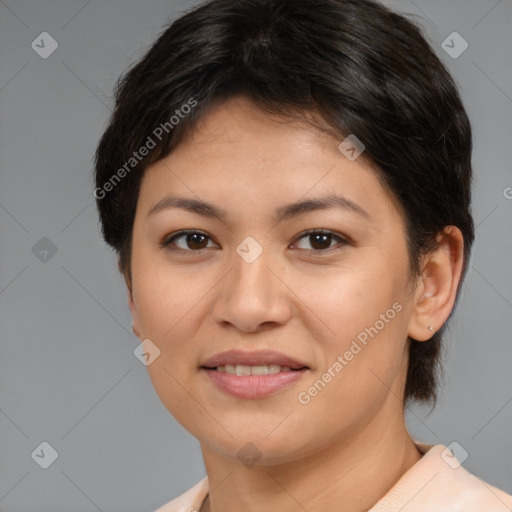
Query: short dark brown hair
column 362, row 68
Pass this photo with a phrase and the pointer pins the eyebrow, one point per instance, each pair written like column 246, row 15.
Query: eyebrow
column 281, row 213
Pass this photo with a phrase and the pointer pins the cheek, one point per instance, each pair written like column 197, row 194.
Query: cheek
column 168, row 315
column 362, row 364
column 169, row 319
column 357, row 303
column 167, row 302
column 163, row 293
column 363, row 325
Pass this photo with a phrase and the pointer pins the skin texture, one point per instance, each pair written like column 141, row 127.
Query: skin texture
column 345, row 448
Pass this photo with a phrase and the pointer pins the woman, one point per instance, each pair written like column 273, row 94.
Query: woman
column 287, row 186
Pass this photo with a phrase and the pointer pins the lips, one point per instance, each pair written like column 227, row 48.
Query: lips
column 258, row 358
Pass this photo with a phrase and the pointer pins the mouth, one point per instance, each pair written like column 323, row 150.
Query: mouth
column 251, row 375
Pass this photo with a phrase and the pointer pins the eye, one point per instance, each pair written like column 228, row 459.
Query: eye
column 321, row 240
column 197, row 241
column 194, row 241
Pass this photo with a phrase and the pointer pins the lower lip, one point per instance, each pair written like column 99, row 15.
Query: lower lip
column 253, row 386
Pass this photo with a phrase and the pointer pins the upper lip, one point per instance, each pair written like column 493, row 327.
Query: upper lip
column 260, row 357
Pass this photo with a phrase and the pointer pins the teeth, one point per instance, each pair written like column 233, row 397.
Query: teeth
column 242, row 369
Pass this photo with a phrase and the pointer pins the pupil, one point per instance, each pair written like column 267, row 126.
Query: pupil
column 324, row 238
column 192, row 239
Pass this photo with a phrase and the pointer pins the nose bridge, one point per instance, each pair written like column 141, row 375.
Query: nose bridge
column 251, row 274
column 251, row 294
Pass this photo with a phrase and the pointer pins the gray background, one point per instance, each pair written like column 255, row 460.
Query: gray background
column 68, row 375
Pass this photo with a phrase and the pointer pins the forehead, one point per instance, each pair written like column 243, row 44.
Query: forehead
column 241, row 153
column 238, row 120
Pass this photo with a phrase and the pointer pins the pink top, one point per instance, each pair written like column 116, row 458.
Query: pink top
column 436, row 483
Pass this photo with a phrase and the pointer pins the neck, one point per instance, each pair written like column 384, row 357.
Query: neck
column 348, row 475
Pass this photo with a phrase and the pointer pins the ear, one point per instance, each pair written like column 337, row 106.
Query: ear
column 436, row 289
column 135, row 316
column 133, row 310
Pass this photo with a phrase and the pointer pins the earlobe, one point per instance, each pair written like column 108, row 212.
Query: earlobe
column 437, row 288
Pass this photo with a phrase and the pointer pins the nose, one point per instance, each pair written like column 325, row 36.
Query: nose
column 252, row 296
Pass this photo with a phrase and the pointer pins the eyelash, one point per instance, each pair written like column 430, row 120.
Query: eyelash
column 342, row 241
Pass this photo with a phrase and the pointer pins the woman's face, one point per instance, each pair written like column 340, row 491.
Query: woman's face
column 251, row 280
